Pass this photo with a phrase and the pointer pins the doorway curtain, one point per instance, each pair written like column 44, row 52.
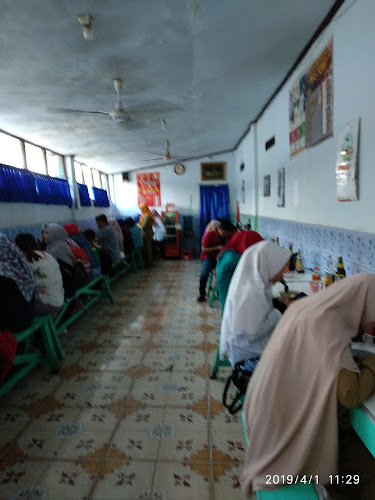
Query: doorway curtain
column 214, row 204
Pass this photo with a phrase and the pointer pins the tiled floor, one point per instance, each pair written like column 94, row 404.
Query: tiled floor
column 132, row 413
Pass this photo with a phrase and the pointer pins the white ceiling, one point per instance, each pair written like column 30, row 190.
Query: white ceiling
column 218, row 60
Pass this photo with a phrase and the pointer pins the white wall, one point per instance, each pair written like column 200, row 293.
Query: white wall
column 310, row 181
column 183, row 190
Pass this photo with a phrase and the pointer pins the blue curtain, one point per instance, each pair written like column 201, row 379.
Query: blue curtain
column 84, row 196
column 17, row 185
column 214, row 203
column 100, row 197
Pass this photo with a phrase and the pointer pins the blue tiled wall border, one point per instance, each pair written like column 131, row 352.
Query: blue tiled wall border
column 318, row 242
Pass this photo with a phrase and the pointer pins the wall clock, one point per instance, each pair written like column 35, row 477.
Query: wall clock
column 179, row 169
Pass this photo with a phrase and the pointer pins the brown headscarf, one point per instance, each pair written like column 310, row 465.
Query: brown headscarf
column 291, row 402
column 145, row 211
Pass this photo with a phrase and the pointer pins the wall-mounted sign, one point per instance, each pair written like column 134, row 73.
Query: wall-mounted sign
column 214, row 171
column 311, row 104
column 347, row 163
column 148, row 185
column 281, row 187
column 267, row 185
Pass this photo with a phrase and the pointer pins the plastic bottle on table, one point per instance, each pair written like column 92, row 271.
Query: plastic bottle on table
column 329, row 272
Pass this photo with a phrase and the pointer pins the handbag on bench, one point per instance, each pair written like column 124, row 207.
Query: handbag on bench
column 240, row 377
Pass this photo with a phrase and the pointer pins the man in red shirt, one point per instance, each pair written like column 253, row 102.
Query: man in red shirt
column 212, row 243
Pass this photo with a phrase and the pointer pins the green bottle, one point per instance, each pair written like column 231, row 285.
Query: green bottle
column 340, row 271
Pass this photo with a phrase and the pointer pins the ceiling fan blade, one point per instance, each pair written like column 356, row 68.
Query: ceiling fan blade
column 153, row 110
column 69, row 110
column 154, row 159
column 130, row 124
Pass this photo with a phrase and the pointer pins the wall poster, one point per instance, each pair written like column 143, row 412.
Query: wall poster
column 148, row 186
column 311, row 104
column 347, row 163
column 281, row 187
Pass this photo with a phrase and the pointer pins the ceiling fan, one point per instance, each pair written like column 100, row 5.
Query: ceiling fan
column 164, row 156
column 133, row 117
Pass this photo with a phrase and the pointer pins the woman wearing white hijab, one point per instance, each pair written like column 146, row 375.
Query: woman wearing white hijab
column 249, row 316
column 306, row 369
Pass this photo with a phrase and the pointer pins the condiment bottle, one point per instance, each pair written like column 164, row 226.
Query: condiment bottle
column 329, row 273
column 340, row 271
column 299, row 263
column 316, row 274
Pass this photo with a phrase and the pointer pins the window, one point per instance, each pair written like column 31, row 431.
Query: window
column 87, row 177
column 35, row 159
column 55, row 165
column 78, row 172
column 104, row 181
column 96, row 177
column 10, row 151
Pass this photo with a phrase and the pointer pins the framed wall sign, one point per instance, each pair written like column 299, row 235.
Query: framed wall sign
column 213, row 171
column 281, row 187
column 267, row 185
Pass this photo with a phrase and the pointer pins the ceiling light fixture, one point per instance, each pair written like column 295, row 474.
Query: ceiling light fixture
column 86, row 21
column 163, row 124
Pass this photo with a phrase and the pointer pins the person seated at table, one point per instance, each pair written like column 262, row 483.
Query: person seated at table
column 104, row 258
column 73, row 273
column 291, row 409
column 78, row 238
column 212, row 244
column 120, row 237
column 160, row 234
column 229, row 257
column 136, row 233
column 17, row 288
column 127, row 237
column 249, row 316
column 108, row 238
column 49, row 290
column 146, row 221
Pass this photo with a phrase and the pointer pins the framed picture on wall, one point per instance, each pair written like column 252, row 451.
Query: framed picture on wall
column 267, row 185
column 281, row 187
column 213, row 171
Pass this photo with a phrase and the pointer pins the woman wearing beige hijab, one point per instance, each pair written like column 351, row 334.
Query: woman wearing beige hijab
column 306, row 369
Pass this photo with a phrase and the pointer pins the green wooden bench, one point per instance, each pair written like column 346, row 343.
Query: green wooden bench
column 51, row 351
column 94, row 289
column 136, row 259
column 119, row 269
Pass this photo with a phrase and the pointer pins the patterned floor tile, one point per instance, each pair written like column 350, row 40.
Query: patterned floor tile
column 182, row 446
column 67, row 480
column 93, row 389
column 178, row 481
column 20, row 477
column 124, row 481
column 227, row 481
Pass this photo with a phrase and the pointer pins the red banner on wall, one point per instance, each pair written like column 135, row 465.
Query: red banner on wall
column 149, row 189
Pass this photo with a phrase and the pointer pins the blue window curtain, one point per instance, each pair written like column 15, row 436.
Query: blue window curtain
column 84, row 196
column 214, row 204
column 100, row 197
column 17, row 186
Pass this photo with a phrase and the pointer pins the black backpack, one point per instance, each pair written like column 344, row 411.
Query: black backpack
column 240, row 378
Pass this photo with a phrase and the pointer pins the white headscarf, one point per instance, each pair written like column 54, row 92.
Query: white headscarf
column 249, row 299
column 58, row 245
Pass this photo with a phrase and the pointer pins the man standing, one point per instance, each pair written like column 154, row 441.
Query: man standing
column 212, row 243
column 108, row 238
